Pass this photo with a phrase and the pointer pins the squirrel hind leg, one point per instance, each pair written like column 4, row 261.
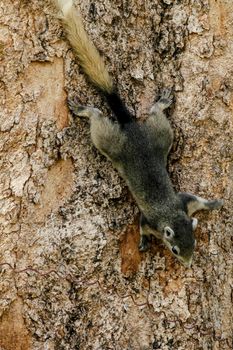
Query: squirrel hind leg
column 165, row 100
column 83, row 111
column 107, row 136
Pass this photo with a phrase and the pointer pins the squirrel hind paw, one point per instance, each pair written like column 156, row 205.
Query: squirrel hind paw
column 77, row 109
column 166, row 97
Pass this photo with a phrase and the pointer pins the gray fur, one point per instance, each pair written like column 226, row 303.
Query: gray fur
column 139, row 152
column 192, row 203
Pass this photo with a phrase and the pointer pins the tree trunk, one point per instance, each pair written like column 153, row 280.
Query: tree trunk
column 71, row 274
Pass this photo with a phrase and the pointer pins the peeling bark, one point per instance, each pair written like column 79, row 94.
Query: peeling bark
column 71, row 274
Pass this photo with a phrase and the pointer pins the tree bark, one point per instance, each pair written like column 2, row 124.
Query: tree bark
column 71, row 274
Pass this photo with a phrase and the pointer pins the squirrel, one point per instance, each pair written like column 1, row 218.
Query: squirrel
column 138, row 150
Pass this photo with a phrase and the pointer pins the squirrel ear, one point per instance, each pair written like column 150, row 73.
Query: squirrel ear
column 194, row 223
column 168, row 232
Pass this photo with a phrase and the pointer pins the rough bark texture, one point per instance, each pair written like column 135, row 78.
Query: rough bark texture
column 71, row 274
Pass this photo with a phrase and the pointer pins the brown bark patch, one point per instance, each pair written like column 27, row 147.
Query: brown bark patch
column 44, row 84
column 57, row 188
column 219, row 16
column 13, row 332
column 130, row 256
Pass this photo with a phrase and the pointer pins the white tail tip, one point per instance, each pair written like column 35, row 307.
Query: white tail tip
column 64, row 5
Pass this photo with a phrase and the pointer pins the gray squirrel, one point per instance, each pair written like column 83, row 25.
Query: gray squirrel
column 138, row 150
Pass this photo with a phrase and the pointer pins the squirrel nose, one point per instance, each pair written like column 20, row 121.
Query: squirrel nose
column 188, row 263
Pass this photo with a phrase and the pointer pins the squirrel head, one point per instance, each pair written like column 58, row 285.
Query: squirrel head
column 178, row 236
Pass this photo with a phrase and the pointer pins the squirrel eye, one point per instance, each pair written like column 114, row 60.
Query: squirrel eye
column 175, row 250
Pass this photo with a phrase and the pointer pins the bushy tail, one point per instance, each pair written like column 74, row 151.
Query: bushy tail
column 89, row 58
